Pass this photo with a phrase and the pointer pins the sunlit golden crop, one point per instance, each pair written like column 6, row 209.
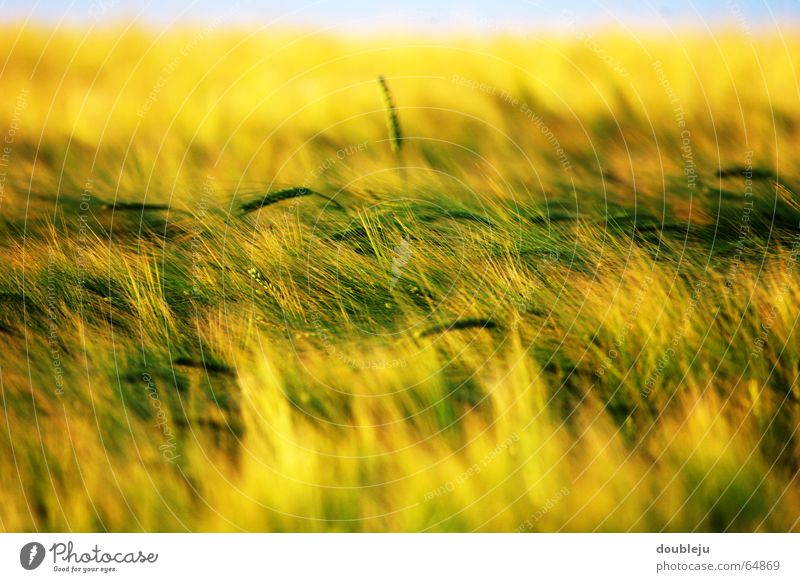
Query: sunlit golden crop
column 225, row 306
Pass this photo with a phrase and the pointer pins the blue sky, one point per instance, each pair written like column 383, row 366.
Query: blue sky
column 472, row 15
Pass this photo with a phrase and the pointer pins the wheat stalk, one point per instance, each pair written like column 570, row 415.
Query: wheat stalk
column 465, row 323
column 285, row 194
column 392, row 120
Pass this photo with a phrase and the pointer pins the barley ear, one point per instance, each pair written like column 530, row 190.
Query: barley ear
column 392, row 121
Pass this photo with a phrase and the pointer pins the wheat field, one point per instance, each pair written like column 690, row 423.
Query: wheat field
column 524, row 283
